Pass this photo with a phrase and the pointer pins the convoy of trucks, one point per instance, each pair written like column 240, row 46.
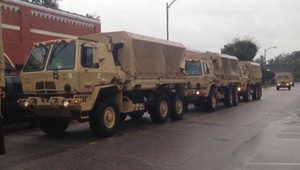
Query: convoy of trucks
column 102, row 78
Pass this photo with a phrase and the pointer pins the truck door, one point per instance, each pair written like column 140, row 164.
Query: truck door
column 89, row 73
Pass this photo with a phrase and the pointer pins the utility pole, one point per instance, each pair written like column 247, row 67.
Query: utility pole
column 265, row 55
column 167, row 9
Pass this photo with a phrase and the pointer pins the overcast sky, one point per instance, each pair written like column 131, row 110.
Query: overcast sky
column 204, row 25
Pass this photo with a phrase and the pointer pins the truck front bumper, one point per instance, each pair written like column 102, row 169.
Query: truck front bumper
column 54, row 106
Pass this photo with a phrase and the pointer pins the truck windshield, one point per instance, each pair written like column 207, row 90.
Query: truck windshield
column 62, row 57
column 193, row 68
column 37, row 59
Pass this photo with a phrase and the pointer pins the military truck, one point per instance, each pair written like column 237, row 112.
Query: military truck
column 284, row 80
column 250, row 81
column 101, row 78
column 212, row 77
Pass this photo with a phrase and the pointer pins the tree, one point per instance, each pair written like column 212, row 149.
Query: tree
column 261, row 60
column 46, row 3
column 244, row 49
column 93, row 16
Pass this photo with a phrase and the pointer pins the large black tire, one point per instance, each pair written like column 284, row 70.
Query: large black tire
column 53, row 125
column 136, row 115
column 246, row 96
column 177, row 107
column 254, row 94
column 123, row 116
column 161, row 111
column 228, row 98
column 277, row 88
column 289, row 87
column 212, row 101
column 105, row 120
column 235, row 97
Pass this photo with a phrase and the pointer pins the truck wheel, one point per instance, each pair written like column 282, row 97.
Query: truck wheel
column 177, row 107
column 254, row 94
column 53, row 125
column 211, row 103
column 123, row 116
column 161, row 111
column 136, row 114
column 246, row 96
column 277, row 88
column 289, row 87
column 228, row 98
column 106, row 119
column 235, row 97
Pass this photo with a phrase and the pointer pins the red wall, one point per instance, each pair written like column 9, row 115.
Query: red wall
column 25, row 23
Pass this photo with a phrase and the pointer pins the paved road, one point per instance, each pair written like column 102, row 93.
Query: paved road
column 257, row 135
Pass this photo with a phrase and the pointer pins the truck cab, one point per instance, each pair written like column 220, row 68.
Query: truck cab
column 284, row 81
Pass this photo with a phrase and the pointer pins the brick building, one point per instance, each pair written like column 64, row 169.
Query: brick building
column 25, row 23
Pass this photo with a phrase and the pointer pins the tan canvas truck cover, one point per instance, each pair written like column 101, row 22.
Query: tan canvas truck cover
column 143, row 56
column 225, row 66
column 290, row 75
column 254, row 69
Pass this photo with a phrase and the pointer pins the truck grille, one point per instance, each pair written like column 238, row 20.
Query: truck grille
column 45, row 85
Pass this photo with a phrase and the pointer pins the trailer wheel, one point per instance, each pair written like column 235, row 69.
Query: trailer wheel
column 106, row 119
column 53, row 125
column 235, row 97
column 246, row 96
column 254, row 94
column 211, row 103
column 228, row 98
column 177, row 107
column 136, row 114
column 161, row 111
column 123, row 116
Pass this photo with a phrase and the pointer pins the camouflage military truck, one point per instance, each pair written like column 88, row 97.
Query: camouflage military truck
column 101, row 78
column 284, row 80
column 212, row 77
column 250, row 81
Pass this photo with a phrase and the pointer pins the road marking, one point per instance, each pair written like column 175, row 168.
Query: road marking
column 269, row 163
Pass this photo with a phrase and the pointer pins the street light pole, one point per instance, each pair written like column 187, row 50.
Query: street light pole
column 265, row 54
column 167, row 9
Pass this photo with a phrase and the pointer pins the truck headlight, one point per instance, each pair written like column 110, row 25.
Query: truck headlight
column 287, row 84
column 66, row 103
column 239, row 89
column 26, row 103
column 278, row 84
column 197, row 92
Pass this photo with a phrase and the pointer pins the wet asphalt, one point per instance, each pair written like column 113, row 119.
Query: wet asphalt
column 259, row 135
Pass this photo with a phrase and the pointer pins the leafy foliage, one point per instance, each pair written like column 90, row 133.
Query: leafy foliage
column 244, row 49
column 261, row 60
column 287, row 60
column 93, row 16
column 46, row 3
